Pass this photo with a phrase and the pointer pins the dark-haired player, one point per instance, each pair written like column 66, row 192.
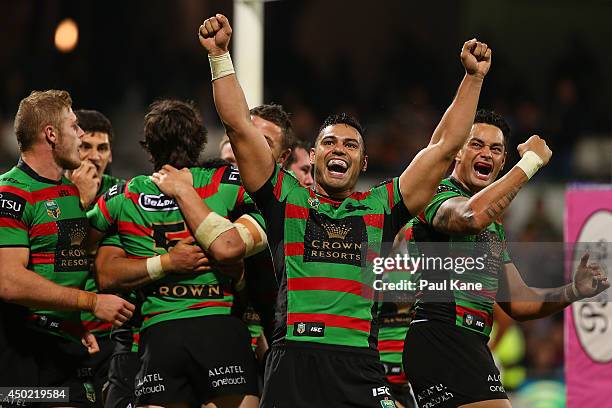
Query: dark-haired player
column 324, row 348
column 446, row 357
column 299, row 164
column 192, row 351
column 43, row 261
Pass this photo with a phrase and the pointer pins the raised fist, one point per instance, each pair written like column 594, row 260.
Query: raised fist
column 214, row 34
column 537, row 145
column 476, row 58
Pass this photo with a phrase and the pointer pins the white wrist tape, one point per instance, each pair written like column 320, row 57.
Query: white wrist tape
column 221, row 65
column 530, row 163
column 154, row 267
column 210, row 228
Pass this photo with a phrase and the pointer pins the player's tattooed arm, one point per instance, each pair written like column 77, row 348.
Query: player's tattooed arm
column 463, row 216
column 522, row 302
column 419, row 181
column 252, row 152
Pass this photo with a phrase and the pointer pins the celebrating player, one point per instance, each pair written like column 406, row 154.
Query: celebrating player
column 192, row 352
column 446, row 357
column 324, row 349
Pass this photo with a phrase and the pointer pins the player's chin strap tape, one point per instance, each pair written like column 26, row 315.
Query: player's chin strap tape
column 253, row 245
column 221, row 65
column 210, row 228
column 530, row 163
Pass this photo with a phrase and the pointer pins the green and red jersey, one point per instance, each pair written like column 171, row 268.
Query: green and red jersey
column 469, row 309
column 46, row 217
column 149, row 223
column 321, row 248
column 391, row 336
column 253, row 321
column 91, row 322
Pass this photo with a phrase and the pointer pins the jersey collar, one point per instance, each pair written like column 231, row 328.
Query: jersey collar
column 23, row 166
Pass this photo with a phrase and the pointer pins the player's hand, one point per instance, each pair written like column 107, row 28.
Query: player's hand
column 113, row 309
column 90, row 342
column 172, row 182
column 215, row 34
column 476, row 58
column 185, row 257
column 86, row 179
column 590, row 279
column 537, row 145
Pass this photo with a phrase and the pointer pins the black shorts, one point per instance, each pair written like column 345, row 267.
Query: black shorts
column 121, row 376
column 195, row 360
column 47, row 360
column 313, row 375
column 448, row 366
column 97, row 367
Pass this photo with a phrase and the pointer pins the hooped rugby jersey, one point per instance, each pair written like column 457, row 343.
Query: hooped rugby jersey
column 469, row 309
column 149, row 223
column 46, row 216
column 321, row 248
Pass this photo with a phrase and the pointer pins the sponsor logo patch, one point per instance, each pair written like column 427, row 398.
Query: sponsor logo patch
column 187, row 291
column 231, row 176
column 474, row 322
column 309, row 329
column 11, row 205
column 337, row 241
column 160, row 202
column 70, row 256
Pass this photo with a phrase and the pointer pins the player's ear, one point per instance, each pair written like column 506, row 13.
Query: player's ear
column 312, row 156
column 50, row 134
column 364, row 163
column 284, row 156
column 503, row 161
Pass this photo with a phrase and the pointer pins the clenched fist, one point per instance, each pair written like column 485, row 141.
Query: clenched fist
column 537, row 145
column 113, row 309
column 214, row 34
column 476, row 58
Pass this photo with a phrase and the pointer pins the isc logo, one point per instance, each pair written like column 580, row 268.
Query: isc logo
column 380, row 391
column 316, row 329
column 479, row 323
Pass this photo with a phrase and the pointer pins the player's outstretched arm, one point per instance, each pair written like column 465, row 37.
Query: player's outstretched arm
column 419, row 181
column 463, row 216
column 226, row 242
column 522, row 302
column 252, row 152
column 22, row 286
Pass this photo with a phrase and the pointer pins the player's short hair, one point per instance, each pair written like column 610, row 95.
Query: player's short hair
column 93, row 121
column 37, row 110
column 174, row 133
column 493, row 118
column 343, row 119
column 298, row 144
column 277, row 115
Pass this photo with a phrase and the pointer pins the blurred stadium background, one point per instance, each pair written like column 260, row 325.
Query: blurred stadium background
column 394, row 64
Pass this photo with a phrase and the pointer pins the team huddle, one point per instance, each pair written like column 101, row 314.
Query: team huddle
column 238, row 282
